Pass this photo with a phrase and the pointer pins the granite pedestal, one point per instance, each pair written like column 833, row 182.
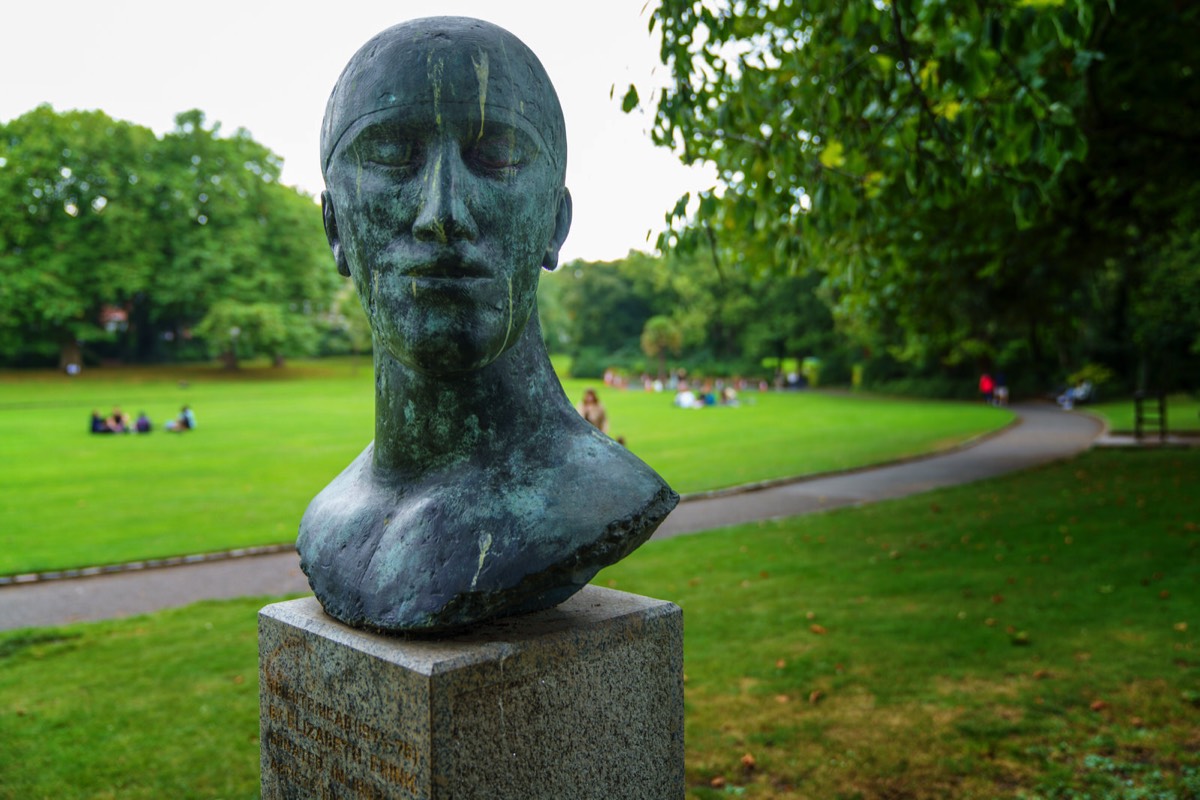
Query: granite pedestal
column 584, row 700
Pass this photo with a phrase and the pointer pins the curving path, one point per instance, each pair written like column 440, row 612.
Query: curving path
column 1043, row 434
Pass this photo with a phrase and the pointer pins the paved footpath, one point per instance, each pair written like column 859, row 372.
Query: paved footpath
column 1043, row 434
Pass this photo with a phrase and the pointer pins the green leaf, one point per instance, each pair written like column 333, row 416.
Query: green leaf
column 631, row 99
column 833, row 156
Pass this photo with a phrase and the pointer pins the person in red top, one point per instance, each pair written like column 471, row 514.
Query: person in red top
column 986, row 387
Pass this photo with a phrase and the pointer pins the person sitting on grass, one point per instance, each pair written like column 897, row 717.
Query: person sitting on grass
column 686, row 398
column 98, row 424
column 143, row 423
column 185, row 422
column 593, row 411
column 118, row 421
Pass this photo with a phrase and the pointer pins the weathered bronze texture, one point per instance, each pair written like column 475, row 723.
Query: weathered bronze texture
column 484, row 493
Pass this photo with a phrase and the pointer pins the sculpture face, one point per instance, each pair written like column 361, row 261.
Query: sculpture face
column 445, row 192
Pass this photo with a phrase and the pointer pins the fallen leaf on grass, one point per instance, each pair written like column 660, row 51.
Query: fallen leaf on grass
column 1041, row 675
column 1098, row 705
column 997, row 599
column 782, row 699
column 780, row 664
column 815, row 697
column 718, row 782
column 1164, row 594
column 1137, row 722
column 748, row 761
column 1181, row 626
column 820, row 630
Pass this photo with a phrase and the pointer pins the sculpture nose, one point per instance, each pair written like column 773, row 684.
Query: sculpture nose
column 443, row 215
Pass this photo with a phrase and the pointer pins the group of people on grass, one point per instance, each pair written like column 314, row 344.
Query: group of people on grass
column 720, row 394
column 119, row 422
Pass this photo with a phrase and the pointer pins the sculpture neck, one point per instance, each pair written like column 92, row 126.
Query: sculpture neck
column 425, row 423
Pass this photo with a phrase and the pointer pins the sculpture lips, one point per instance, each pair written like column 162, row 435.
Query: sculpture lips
column 445, row 265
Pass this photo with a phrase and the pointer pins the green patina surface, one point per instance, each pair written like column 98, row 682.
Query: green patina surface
column 484, row 493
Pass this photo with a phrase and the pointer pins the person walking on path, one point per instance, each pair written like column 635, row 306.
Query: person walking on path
column 986, row 387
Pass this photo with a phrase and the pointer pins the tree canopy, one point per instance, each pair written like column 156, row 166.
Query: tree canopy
column 977, row 182
column 134, row 245
column 642, row 312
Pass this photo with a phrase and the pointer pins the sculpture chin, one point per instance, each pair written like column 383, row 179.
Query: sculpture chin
column 438, row 343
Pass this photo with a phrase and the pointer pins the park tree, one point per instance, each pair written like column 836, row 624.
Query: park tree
column 73, row 237
column 962, row 175
column 660, row 336
column 237, row 242
column 175, row 235
column 604, row 305
column 725, row 317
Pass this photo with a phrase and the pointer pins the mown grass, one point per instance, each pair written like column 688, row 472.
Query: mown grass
column 1183, row 413
column 268, row 440
column 1033, row 636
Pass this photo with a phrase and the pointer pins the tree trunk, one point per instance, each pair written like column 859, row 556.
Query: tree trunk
column 229, row 359
column 70, row 353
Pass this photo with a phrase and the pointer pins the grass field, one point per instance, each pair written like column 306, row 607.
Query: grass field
column 1033, row 636
column 1183, row 413
column 267, row 440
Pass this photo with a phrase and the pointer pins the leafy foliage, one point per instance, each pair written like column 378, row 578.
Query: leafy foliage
column 660, row 336
column 723, row 317
column 977, row 182
column 112, row 236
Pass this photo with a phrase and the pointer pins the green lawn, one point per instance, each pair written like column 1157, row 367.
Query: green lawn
column 1034, row 636
column 1183, row 413
column 267, row 440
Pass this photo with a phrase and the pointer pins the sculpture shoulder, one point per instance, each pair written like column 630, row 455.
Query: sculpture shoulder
column 600, row 483
column 501, row 534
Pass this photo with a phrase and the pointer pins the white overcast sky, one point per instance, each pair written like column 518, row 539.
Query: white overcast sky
column 269, row 66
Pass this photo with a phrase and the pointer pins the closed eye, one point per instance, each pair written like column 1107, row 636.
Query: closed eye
column 496, row 153
column 388, row 152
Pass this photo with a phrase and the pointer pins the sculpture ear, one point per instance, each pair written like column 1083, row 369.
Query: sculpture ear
column 331, row 233
column 562, row 226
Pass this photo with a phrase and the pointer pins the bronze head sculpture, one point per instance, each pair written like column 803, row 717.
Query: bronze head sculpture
column 484, row 493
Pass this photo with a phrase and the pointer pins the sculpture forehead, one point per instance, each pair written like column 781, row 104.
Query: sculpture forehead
column 439, row 61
